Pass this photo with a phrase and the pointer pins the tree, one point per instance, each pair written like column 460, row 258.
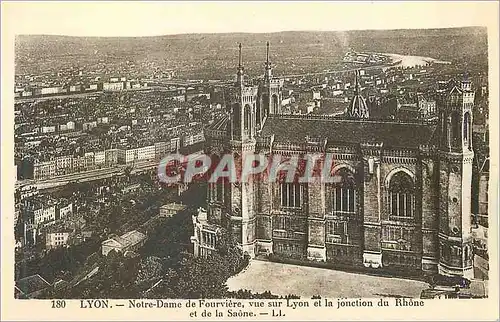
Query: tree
column 190, row 277
column 170, row 236
column 247, row 294
column 149, row 269
column 114, row 279
column 62, row 262
column 115, row 214
column 195, row 195
column 195, row 278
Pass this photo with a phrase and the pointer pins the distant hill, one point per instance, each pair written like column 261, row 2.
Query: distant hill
column 290, row 50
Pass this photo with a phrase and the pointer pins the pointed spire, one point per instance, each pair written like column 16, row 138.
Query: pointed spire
column 357, row 107
column 356, row 83
column 239, row 74
column 267, row 53
column 268, row 70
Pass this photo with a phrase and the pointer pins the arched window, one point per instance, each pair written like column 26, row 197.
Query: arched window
column 236, row 117
column 344, row 192
column 275, row 103
column 467, row 124
column 247, row 118
column 401, row 195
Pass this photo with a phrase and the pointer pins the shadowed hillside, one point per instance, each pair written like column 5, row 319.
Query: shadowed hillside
column 211, row 55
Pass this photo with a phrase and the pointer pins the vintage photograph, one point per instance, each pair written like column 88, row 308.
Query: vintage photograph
column 296, row 164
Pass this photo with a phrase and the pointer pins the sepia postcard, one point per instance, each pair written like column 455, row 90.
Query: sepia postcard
column 178, row 161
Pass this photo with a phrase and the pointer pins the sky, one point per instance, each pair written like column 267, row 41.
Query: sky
column 162, row 18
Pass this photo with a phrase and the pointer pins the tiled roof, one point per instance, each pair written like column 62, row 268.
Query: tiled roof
column 131, row 238
column 174, row 206
column 126, row 240
column 295, row 129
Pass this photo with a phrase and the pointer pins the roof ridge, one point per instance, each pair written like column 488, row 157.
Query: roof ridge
column 342, row 119
column 397, row 134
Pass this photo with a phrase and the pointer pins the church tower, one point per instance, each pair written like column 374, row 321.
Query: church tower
column 270, row 92
column 240, row 216
column 243, row 107
column 455, row 179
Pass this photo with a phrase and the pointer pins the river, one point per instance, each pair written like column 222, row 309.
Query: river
column 412, row 61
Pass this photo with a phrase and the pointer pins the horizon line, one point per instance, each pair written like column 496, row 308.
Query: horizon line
column 251, row 32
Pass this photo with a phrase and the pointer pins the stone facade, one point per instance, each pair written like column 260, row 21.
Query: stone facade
column 403, row 200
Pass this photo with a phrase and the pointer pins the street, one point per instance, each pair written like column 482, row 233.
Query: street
column 96, row 174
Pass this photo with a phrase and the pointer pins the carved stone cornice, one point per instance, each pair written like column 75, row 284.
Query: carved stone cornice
column 372, row 149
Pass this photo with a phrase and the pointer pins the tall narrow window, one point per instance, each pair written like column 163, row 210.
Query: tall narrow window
column 236, row 118
column 401, row 195
column 275, row 103
column 247, row 118
column 265, row 105
column 220, row 191
column 344, row 192
column 291, row 195
column 455, row 126
column 258, row 117
column 467, row 124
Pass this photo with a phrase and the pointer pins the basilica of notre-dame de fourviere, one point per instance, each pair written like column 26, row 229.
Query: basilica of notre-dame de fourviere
column 403, row 201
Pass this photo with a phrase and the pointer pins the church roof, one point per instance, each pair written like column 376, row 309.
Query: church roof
column 295, row 129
